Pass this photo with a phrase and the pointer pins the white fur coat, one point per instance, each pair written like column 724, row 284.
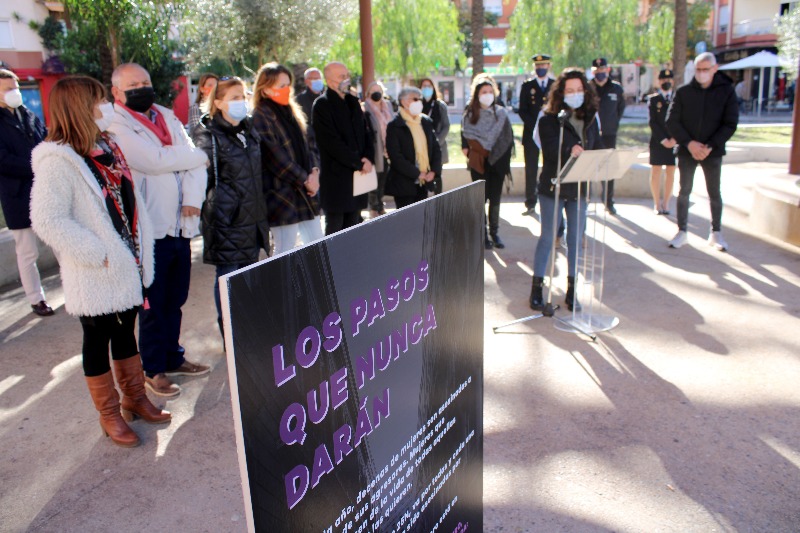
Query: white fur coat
column 69, row 213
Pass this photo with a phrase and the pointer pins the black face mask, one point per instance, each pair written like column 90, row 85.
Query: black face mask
column 376, row 96
column 667, row 85
column 141, row 99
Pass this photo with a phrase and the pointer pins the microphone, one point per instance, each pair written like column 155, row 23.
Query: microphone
column 563, row 116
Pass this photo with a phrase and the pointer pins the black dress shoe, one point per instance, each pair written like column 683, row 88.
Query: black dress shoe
column 611, row 210
column 487, row 243
column 497, row 242
column 42, row 309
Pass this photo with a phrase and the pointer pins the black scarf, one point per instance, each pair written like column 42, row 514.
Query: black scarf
column 297, row 139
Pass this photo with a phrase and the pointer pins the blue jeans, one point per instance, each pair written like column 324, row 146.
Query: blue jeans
column 160, row 325
column 575, row 226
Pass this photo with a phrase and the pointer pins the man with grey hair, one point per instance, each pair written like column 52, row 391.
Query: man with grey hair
column 314, row 85
column 171, row 174
column 703, row 116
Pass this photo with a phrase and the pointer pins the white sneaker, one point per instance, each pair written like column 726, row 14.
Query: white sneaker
column 717, row 241
column 679, row 240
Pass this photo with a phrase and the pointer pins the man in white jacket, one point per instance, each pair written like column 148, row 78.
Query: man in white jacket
column 171, row 175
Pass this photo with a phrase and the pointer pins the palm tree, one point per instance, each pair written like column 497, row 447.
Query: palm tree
column 478, row 19
column 680, row 41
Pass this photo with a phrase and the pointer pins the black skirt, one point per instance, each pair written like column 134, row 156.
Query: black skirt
column 660, row 155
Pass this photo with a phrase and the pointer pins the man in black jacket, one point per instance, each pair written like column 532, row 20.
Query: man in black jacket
column 314, row 86
column 703, row 116
column 532, row 97
column 20, row 132
column 612, row 105
column 344, row 147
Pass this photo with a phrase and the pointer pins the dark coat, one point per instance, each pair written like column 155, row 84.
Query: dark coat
column 341, row 132
column 708, row 116
column 17, row 141
column 234, row 214
column 658, row 106
column 612, row 105
column 403, row 177
column 531, row 101
column 549, row 134
column 306, row 100
column 284, row 177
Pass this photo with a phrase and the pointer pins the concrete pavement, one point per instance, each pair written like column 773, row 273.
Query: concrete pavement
column 683, row 418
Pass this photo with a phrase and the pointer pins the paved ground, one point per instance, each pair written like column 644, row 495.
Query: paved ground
column 684, row 418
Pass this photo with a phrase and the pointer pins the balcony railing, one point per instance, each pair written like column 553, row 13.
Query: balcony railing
column 746, row 28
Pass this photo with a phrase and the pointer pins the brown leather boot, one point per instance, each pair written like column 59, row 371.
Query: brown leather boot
column 106, row 401
column 135, row 402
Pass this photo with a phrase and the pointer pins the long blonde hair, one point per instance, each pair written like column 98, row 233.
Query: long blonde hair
column 267, row 78
column 224, row 84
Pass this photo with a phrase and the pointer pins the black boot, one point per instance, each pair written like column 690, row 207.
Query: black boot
column 496, row 241
column 487, row 243
column 536, row 300
column 571, row 300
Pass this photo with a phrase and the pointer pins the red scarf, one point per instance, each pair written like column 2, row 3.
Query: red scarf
column 159, row 128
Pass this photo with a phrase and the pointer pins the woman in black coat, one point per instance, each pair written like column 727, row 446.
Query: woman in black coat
column 573, row 94
column 415, row 158
column 234, row 214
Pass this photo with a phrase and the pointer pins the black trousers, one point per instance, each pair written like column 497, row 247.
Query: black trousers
column 531, row 152
column 402, row 201
column 493, row 192
column 712, row 170
column 338, row 221
column 99, row 331
column 609, row 141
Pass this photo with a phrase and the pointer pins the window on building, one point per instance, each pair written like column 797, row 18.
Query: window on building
column 5, row 35
column 724, row 19
column 495, row 47
column 495, row 7
column 788, row 7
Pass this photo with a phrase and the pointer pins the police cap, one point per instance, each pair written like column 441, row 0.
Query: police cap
column 599, row 62
column 665, row 74
column 541, row 58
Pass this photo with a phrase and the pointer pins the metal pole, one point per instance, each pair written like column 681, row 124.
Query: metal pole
column 367, row 49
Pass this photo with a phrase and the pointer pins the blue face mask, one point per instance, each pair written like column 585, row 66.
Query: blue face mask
column 541, row 72
column 237, row 109
column 601, row 76
column 427, row 93
column 317, row 86
column 574, row 100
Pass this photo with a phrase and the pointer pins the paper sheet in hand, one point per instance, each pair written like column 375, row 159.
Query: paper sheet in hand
column 364, row 182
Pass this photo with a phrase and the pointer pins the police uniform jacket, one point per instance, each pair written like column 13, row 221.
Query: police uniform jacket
column 658, row 107
column 612, row 105
column 532, row 99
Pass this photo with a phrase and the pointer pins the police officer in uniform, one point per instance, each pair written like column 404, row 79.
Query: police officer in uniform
column 532, row 97
column 662, row 145
column 612, row 105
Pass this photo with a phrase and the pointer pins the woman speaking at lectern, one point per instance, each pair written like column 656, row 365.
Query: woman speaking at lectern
column 572, row 95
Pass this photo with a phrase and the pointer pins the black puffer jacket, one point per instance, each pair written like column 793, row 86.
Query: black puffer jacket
column 234, row 213
column 708, row 116
column 549, row 135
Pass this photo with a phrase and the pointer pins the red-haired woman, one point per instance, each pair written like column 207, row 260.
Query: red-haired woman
column 85, row 206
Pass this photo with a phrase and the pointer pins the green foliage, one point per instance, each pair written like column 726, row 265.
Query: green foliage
column 410, row 38
column 465, row 26
column 583, row 31
column 788, row 27
column 50, row 31
column 607, row 28
column 248, row 33
column 142, row 36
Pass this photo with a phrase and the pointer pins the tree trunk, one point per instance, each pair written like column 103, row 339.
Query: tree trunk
column 478, row 18
column 680, row 40
column 106, row 60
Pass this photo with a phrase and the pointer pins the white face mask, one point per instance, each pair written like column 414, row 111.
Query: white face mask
column 104, row 122
column 13, row 98
column 486, row 99
column 703, row 77
column 237, row 109
column 415, row 108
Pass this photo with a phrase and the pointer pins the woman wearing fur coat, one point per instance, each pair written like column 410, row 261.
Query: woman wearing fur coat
column 86, row 207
